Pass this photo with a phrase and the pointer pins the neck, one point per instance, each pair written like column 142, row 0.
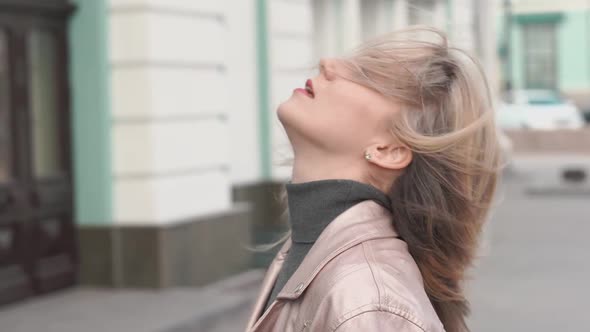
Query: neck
column 313, row 168
column 309, row 167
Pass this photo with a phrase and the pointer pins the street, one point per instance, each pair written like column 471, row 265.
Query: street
column 534, row 274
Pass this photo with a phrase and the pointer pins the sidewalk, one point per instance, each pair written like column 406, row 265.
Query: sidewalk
column 544, row 173
column 220, row 307
column 533, row 274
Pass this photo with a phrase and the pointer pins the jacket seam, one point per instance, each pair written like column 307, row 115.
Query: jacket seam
column 341, row 250
column 335, row 282
column 332, row 287
column 372, row 272
column 390, row 310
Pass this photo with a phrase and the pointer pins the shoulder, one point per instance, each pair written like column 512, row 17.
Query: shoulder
column 374, row 318
column 376, row 286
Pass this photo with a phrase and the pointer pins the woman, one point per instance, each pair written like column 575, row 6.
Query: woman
column 395, row 166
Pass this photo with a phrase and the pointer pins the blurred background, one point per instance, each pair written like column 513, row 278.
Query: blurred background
column 140, row 154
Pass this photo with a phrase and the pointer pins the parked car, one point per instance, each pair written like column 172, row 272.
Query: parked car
column 506, row 148
column 538, row 109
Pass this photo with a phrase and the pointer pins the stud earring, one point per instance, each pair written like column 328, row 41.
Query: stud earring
column 367, row 156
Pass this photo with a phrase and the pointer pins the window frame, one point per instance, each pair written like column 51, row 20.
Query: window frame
column 531, row 43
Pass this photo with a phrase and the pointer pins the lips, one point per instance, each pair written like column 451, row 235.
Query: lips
column 308, row 91
column 309, row 88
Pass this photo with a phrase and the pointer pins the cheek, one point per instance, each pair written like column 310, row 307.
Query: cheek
column 366, row 110
column 353, row 108
column 341, row 121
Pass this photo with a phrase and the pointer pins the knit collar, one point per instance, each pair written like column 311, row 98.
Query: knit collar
column 314, row 204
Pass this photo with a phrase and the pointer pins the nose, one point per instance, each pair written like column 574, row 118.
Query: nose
column 327, row 66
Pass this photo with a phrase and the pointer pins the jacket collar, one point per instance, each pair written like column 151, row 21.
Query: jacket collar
column 364, row 221
column 267, row 284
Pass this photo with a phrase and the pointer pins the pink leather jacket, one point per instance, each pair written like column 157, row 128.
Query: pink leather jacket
column 358, row 276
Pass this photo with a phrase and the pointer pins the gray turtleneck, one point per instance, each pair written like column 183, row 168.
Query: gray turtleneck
column 312, row 206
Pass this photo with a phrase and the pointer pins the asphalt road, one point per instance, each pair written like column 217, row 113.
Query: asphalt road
column 534, row 272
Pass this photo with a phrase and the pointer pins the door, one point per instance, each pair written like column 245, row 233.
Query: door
column 37, row 238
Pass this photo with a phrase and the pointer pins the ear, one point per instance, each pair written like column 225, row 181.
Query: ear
column 390, row 156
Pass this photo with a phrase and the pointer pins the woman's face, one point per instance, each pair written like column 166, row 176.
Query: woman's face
column 337, row 116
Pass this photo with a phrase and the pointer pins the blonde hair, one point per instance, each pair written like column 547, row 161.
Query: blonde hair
column 441, row 200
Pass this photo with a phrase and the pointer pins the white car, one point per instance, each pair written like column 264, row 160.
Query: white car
column 506, row 148
column 539, row 109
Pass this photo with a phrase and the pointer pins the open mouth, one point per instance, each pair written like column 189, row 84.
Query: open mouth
column 309, row 88
column 308, row 91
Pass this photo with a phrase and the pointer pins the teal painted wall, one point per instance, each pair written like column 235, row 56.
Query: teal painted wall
column 574, row 55
column 573, row 51
column 90, row 108
column 517, row 57
column 262, row 58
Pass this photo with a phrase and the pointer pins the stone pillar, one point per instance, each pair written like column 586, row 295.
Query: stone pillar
column 174, row 222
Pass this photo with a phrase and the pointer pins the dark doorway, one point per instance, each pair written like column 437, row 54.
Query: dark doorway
column 37, row 238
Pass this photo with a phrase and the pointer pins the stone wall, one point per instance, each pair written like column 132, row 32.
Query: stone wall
column 555, row 141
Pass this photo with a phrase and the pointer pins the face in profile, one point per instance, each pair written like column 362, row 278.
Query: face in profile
column 333, row 115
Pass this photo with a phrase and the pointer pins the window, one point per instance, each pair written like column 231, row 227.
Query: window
column 45, row 113
column 540, row 58
column 5, row 144
column 327, row 28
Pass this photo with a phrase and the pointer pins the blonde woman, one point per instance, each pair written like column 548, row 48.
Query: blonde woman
column 395, row 165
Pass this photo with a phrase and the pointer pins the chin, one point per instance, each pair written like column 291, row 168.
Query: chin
column 286, row 111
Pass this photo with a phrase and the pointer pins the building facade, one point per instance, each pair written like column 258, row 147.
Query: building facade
column 143, row 149
column 546, row 44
